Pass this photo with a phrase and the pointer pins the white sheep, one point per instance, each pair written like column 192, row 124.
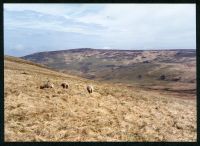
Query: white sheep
column 48, row 84
column 90, row 88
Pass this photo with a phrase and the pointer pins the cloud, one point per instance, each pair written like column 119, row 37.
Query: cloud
column 36, row 20
column 64, row 10
column 124, row 26
column 51, row 9
column 107, row 47
column 19, row 47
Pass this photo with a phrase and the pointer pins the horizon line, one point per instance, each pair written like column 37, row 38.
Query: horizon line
column 112, row 49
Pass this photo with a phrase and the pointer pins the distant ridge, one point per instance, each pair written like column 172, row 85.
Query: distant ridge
column 120, row 50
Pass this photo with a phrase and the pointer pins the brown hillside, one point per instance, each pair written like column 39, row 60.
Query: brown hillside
column 125, row 66
column 113, row 112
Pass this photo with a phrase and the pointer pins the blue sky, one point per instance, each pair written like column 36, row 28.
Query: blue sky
column 30, row 28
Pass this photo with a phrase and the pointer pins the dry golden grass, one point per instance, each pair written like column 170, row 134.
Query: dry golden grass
column 111, row 113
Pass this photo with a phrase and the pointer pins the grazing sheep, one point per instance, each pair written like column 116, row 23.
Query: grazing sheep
column 90, row 88
column 65, row 85
column 50, row 85
column 42, row 87
column 47, row 85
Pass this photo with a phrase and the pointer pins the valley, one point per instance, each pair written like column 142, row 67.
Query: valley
column 173, row 71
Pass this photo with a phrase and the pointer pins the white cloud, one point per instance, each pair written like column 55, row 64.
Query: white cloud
column 124, row 26
column 139, row 24
column 64, row 10
column 106, row 47
column 19, row 47
column 52, row 9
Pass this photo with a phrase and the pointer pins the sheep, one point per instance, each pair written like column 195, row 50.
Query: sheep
column 65, row 85
column 50, row 85
column 90, row 88
column 42, row 87
column 47, row 85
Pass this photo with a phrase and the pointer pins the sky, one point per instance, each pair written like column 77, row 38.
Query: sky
column 30, row 28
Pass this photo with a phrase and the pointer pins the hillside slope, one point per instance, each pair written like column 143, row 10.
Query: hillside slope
column 134, row 67
column 114, row 112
